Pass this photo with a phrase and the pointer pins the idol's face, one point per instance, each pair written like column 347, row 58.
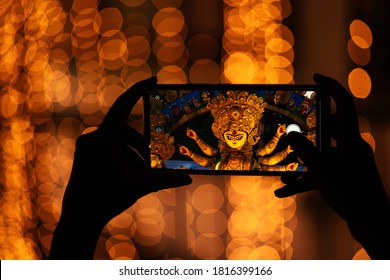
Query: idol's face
column 235, row 139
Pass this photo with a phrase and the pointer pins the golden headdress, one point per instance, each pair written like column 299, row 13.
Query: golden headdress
column 161, row 143
column 240, row 110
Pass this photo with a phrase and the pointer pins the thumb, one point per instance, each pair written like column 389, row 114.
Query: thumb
column 300, row 185
column 304, row 149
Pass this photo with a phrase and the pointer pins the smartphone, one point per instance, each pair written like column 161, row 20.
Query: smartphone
column 231, row 129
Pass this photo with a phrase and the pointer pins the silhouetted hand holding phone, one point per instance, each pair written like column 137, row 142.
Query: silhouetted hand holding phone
column 108, row 176
column 346, row 176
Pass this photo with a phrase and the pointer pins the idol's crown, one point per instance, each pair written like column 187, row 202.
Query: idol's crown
column 238, row 110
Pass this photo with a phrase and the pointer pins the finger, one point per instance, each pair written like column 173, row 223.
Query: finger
column 162, row 179
column 333, row 127
column 133, row 158
column 289, row 177
column 346, row 114
column 306, row 151
column 300, row 185
column 121, row 109
column 137, row 142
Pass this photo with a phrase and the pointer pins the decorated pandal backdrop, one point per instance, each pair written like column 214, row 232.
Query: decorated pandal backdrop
column 63, row 63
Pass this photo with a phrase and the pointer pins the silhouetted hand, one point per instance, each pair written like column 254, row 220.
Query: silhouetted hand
column 346, row 176
column 108, row 176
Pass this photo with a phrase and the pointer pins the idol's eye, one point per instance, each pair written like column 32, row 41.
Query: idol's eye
column 239, row 137
column 229, row 137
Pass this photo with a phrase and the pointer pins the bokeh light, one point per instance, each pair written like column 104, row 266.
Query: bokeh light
column 359, row 80
column 63, row 64
column 258, row 49
column 168, row 21
column 361, row 254
column 360, row 33
column 255, row 36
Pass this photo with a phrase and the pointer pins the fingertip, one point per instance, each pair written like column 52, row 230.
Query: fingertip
column 317, row 76
column 187, row 180
column 173, row 178
column 295, row 138
column 288, row 177
column 300, row 185
column 145, row 84
column 303, row 147
column 153, row 80
column 276, row 193
column 280, row 193
column 183, row 178
column 320, row 78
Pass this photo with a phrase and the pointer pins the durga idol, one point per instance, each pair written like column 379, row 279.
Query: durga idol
column 236, row 125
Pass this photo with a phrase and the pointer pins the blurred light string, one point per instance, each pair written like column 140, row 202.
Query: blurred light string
column 360, row 85
column 258, row 49
column 359, row 44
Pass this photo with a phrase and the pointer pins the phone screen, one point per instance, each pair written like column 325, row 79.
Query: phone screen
column 230, row 128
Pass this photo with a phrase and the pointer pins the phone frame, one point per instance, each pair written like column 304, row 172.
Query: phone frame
column 322, row 113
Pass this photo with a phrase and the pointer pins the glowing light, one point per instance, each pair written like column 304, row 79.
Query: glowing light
column 208, row 246
column 207, row 198
column 113, row 51
column 243, row 222
column 277, row 75
column 168, row 21
column 212, row 223
column 264, row 253
column 120, row 247
column 172, row 74
column 234, row 65
column 293, row 127
column 361, row 255
column 278, row 45
column 360, row 34
column 204, row 71
column 359, row 83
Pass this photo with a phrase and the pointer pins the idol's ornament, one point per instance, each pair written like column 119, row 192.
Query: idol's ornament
column 161, row 143
column 311, row 122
